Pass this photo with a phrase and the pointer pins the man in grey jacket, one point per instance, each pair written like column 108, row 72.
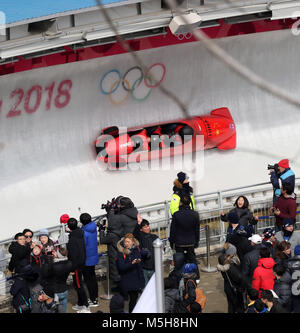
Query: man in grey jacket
column 288, row 234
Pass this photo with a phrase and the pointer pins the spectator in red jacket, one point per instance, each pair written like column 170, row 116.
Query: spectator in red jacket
column 263, row 277
column 285, row 206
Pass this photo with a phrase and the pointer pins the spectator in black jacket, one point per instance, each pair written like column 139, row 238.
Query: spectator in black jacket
column 245, row 216
column 294, row 269
column 143, row 234
column 76, row 254
column 120, row 221
column 251, row 258
column 185, row 231
column 282, row 286
column 61, row 269
column 235, row 283
column 273, row 305
column 20, row 252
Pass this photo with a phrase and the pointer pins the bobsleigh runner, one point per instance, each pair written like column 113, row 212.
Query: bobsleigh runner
column 118, row 147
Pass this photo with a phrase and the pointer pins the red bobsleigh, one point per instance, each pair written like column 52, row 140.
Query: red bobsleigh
column 117, row 146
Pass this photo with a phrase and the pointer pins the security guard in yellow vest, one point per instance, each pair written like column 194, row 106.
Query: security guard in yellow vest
column 181, row 188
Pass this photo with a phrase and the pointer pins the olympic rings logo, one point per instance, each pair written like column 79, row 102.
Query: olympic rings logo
column 109, row 85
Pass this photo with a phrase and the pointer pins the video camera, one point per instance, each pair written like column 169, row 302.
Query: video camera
column 110, row 205
column 274, row 167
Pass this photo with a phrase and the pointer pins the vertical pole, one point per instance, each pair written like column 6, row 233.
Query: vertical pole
column 167, row 223
column 208, row 268
column 107, row 296
column 159, row 282
column 222, row 225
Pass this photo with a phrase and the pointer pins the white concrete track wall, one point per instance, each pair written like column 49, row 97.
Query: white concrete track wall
column 47, row 159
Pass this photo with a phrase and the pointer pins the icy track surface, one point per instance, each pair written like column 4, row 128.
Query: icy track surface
column 49, row 119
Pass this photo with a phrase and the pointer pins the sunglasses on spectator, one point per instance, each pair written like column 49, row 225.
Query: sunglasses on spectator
column 28, row 236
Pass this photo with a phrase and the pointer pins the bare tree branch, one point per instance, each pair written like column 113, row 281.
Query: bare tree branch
column 233, row 63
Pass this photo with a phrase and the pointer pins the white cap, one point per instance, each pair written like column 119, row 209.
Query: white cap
column 256, row 239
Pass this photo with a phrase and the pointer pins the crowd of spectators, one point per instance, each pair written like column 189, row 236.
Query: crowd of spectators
column 260, row 271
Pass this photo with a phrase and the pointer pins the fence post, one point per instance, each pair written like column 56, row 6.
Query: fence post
column 208, row 268
column 107, row 296
column 222, row 224
column 167, row 218
column 159, row 281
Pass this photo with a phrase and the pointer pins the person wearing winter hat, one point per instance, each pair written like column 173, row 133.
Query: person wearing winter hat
column 116, row 304
column 64, row 221
column 249, row 262
column 269, row 239
column 287, row 233
column 235, row 283
column 46, row 242
column 181, row 188
column 185, row 231
column 280, row 175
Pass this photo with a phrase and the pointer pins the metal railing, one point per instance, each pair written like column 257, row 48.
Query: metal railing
column 209, row 205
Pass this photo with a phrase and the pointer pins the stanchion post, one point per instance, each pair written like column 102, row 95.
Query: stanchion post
column 159, row 282
column 208, row 268
column 107, row 296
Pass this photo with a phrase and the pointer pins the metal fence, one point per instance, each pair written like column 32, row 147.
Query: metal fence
column 209, row 205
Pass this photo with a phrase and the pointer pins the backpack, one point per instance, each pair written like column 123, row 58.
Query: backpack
column 200, row 297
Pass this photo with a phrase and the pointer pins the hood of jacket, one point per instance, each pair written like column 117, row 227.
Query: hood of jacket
column 121, row 248
column 266, row 263
column 223, row 268
column 130, row 212
column 179, row 187
column 90, row 227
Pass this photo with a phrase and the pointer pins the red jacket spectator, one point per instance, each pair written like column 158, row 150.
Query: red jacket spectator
column 263, row 277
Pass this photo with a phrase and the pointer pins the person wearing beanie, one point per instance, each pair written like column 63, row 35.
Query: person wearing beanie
column 185, row 231
column 269, row 239
column 64, row 221
column 181, row 189
column 293, row 266
column 92, row 257
column 142, row 233
column 282, row 174
column 46, row 242
column 285, row 206
column 287, row 234
column 117, row 304
column 235, row 283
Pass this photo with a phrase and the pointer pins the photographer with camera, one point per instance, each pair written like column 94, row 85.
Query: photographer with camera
column 280, row 174
column 121, row 219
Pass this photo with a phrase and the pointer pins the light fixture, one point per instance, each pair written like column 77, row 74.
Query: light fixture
column 182, row 24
